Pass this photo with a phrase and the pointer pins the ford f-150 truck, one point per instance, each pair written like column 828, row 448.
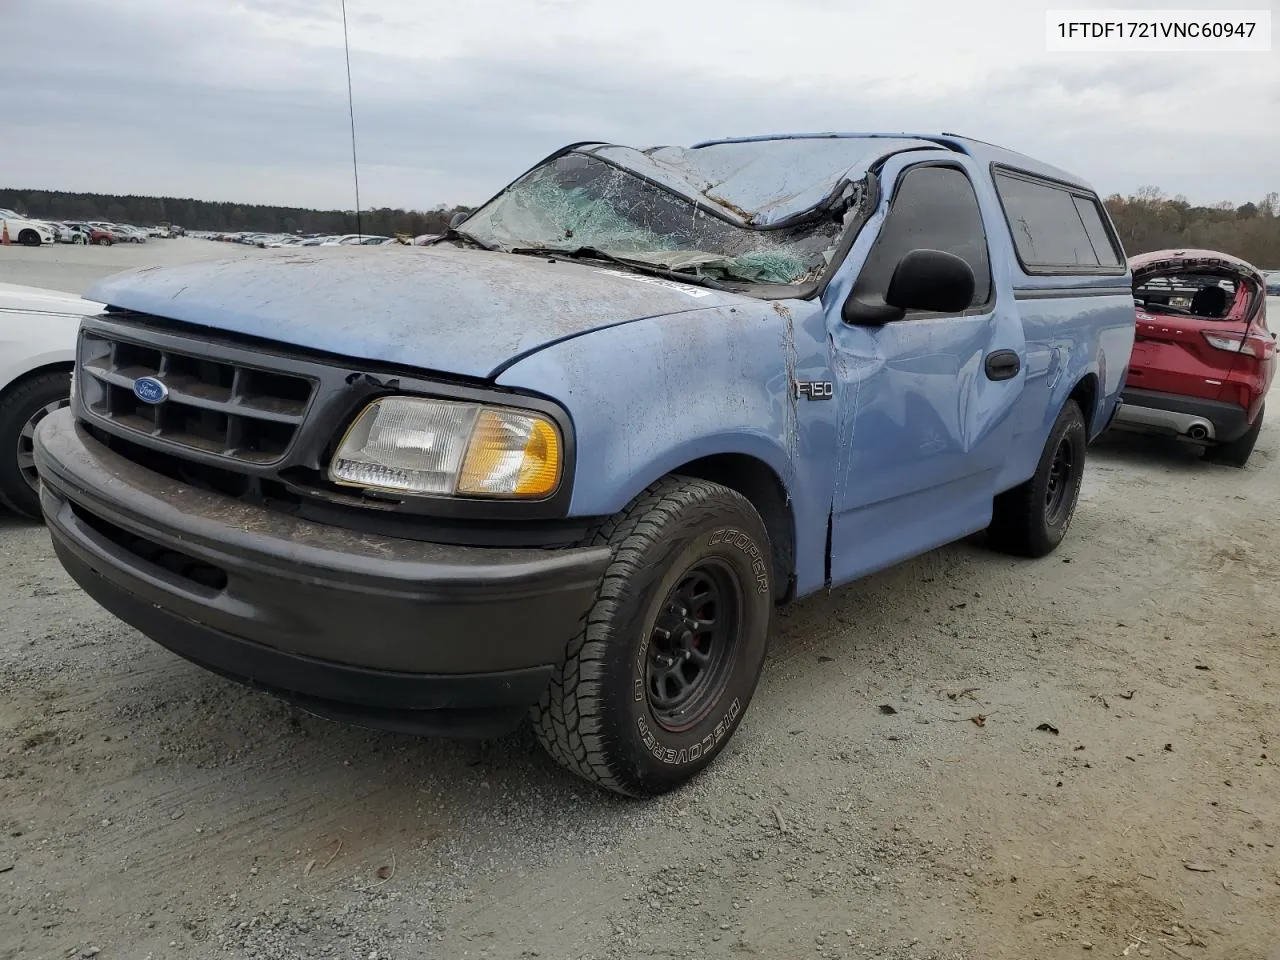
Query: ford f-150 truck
column 568, row 459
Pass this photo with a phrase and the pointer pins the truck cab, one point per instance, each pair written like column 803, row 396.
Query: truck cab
column 565, row 461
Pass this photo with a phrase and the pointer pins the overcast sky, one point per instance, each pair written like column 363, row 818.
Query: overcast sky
column 246, row 99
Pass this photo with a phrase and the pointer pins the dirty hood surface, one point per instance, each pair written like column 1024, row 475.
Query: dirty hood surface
column 437, row 308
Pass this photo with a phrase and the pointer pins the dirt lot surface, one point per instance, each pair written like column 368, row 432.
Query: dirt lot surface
column 75, row 268
column 967, row 756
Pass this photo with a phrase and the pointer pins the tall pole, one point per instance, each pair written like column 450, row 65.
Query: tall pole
column 355, row 169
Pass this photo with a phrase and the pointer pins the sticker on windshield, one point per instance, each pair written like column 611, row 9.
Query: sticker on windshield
column 661, row 282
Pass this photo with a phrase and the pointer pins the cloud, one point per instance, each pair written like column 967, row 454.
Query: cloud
column 247, row 100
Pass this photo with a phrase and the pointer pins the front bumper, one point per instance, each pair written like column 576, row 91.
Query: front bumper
column 1151, row 411
column 381, row 631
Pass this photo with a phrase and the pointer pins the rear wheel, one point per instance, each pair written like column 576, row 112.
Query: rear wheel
column 1031, row 519
column 1237, row 452
column 669, row 655
column 21, row 411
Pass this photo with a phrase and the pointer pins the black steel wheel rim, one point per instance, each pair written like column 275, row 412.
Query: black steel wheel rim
column 1062, row 475
column 691, row 646
column 26, row 442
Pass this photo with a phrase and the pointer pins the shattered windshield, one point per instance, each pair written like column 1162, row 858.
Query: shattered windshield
column 580, row 203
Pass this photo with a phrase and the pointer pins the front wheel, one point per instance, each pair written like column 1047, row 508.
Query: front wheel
column 21, row 411
column 669, row 655
column 29, row 238
column 1031, row 519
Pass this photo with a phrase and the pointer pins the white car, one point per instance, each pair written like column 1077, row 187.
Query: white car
column 22, row 230
column 66, row 233
column 37, row 349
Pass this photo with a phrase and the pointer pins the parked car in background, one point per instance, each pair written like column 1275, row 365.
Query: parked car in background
column 65, row 232
column 569, row 460
column 1204, row 357
column 354, row 239
column 37, row 348
column 117, row 232
column 97, row 235
column 1273, row 283
column 28, row 232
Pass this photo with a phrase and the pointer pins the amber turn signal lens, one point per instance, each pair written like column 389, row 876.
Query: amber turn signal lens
column 511, row 453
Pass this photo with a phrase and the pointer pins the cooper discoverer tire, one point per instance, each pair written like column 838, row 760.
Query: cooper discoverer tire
column 21, row 409
column 1031, row 519
column 669, row 655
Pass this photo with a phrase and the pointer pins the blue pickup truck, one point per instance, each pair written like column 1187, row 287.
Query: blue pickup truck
column 566, row 461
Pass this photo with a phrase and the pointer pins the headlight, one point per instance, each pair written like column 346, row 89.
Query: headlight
column 446, row 448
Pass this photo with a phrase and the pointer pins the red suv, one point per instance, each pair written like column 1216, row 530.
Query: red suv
column 1203, row 357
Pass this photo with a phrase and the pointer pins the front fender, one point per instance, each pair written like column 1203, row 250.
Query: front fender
column 15, row 368
column 651, row 396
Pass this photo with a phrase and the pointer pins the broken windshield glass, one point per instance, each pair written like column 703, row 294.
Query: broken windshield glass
column 576, row 202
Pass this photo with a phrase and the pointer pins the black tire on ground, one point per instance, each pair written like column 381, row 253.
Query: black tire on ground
column 1031, row 519
column 29, row 238
column 646, row 697
column 21, row 409
column 1237, row 452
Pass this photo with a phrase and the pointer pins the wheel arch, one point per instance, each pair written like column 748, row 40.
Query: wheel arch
column 1086, row 394
column 30, row 373
column 761, row 485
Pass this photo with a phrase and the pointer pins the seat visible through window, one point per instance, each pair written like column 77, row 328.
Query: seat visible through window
column 1209, row 302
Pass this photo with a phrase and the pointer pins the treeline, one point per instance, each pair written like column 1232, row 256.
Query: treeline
column 1147, row 221
column 230, row 217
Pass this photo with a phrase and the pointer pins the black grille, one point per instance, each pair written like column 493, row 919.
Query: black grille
column 219, row 407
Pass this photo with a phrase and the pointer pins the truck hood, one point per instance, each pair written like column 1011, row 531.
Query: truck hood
column 441, row 309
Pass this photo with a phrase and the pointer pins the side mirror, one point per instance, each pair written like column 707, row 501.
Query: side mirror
column 930, row 280
column 458, row 220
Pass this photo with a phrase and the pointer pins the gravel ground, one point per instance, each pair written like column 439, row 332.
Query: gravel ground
column 151, row 810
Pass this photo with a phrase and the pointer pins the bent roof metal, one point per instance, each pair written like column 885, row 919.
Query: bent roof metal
column 979, row 150
column 766, row 180
column 761, row 183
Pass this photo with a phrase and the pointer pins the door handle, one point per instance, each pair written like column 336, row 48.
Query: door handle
column 1003, row 365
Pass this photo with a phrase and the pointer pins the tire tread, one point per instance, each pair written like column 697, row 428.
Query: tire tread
column 1017, row 516
column 568, row 717
column 13, row 490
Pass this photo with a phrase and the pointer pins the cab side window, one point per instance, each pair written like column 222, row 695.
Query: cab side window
column 934, row 208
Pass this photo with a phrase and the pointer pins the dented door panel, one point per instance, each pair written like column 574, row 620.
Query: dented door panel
column 923, row 430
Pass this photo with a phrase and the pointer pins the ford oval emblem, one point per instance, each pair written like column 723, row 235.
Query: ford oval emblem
column 150, row 390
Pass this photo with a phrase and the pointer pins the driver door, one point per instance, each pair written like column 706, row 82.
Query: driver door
column 926, row 399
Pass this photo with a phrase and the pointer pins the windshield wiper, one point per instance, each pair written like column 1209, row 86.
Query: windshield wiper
column 641, row 266
column 453, row 233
